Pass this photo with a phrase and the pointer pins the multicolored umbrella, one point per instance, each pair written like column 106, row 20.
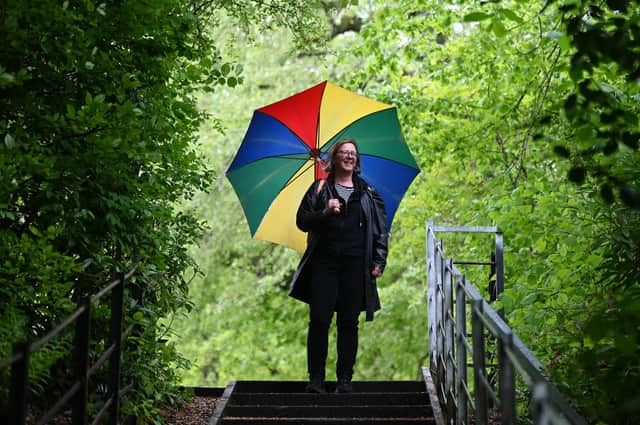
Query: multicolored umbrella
column 286, row 146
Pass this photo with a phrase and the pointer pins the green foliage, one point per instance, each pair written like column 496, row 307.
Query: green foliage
column 155, row 363
column 243, row 325
column 482, row 89
column 603, row 106
column 98, row 144
column 492, row 98
column 106, row 160
column 605, row 343
column 35, row 287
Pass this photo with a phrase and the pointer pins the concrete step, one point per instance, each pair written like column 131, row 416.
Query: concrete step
column 312, row 411
column 353, row 399
column 376, row 402
column 299, row 386
column 323, row 421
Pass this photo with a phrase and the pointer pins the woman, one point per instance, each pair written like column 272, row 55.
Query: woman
column 346, row 251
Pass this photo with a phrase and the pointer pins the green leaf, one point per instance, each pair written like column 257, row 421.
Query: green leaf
column 565, row 42
column 476, row 17
column 9, row 141
column 6, row 78
column 498, row 28
column 509, row 14
column 506, row 300
column 540, row 245
column 34, row 230
column 193, row 72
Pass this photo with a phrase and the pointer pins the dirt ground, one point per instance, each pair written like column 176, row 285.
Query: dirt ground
column 197, row 411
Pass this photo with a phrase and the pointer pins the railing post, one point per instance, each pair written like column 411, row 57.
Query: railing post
column 449, row 359
column 81, row 363
column 461, row 354
column 499, row 269
column 438, row 263
column 431, row 293
column 479, row 368
column 117, row 298
column 507, row 381
column 539, row 401
column 19, row 384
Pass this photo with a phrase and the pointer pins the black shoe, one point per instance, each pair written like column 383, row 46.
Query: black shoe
column 316, row 385
column 344, row 387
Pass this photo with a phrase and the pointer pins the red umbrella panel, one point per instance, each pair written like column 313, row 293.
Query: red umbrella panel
column 286, row 145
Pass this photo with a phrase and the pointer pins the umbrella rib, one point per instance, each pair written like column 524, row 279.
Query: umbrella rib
column 306, row 168
column 390, row 159
column 303, row 156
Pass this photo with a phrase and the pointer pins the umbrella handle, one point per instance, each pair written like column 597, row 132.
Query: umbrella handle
column 321, row 185
column 331, row 193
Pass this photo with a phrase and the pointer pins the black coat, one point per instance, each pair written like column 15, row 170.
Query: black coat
column 310, row 219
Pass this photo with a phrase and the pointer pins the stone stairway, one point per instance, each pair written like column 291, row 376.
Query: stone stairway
column 375, row 402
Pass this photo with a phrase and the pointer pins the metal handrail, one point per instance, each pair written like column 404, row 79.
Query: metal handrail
column 449, row 347
column 77, row 393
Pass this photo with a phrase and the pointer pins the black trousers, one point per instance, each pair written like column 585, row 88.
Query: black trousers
column 337, row 285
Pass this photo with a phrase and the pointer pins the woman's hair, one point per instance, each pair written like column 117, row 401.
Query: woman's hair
column 333, row 151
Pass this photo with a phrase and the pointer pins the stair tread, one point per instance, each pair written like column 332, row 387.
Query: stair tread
column 358, row 386
column 329, row 411
column 332, row 421
column 403, row 398
column 380, row 402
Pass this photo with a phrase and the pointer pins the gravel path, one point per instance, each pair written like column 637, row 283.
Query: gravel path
column 197, row 411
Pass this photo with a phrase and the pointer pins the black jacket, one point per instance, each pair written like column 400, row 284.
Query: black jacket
column 311, row 220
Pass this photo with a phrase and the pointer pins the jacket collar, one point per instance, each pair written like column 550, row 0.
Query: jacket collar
column 358, row 183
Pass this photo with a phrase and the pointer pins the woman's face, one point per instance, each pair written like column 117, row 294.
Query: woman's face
column 346, row 158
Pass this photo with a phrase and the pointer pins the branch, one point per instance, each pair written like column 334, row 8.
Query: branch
column 347, row 23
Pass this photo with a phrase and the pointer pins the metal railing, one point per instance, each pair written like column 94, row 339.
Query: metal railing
column 77, row 395
column 453, row 303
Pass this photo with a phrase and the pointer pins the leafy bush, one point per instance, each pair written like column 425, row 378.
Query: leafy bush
column 98, row 144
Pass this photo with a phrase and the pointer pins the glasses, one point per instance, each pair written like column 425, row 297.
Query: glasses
column 348, row 153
